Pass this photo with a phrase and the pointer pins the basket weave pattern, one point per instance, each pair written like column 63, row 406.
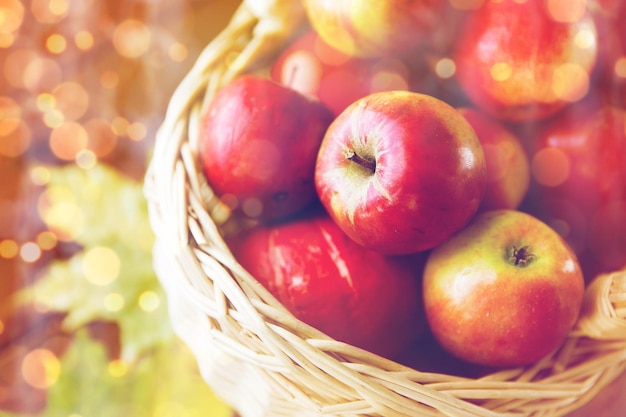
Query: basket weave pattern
column 264, row 362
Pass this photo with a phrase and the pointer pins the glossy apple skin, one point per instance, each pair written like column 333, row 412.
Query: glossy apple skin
column 311, row 66
column 484, row 309
column 373, row 28
column 508, row 166
column 515, row 61
column 578, row 165
column 429, row 177
column 258, row 142
column 326, row 280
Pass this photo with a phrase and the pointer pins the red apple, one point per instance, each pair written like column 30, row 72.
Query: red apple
column 525, row 61
column 258, row 144
column 503, row 292
column 371, row 28
column 508, row 167
column 400, row 172
column 577, row 165
column 352, row 294
column 312, row 67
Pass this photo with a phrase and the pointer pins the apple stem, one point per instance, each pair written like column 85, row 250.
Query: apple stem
column 365, row 163
column 521, row 256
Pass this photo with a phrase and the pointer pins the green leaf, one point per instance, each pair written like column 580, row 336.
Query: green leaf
column 163, row 383
column 112, row 277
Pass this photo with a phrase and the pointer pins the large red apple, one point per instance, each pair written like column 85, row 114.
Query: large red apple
column 311, row 66
column 258, row 145
column 400, row 172
column 526, row 60
column 577, row 164
column 371, row 28
column 352, row 294
column 508, row 166
column 505, row 291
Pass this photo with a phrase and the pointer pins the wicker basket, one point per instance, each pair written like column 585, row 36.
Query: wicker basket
column 261, row 360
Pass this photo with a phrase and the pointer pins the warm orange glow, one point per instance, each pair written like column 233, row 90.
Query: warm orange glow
column 71, row 99
column 567, row 11
column 329, row 55
column 41, row 368
column 83, row 40
column 41, row 74
column 10, row 116
column 11, row 16
column 47, row 240
column 570, row 82
column 49, row 11
column 101, row 138
column 109, row 79
column 9, row 249
column 501, row 71
column 137, row 131
column 56, row 43
column 16, row 142
column 101, row 265
column 178, row 52
column 67, row 140
column 131, row 38
column 467, row 4
column 120, row 126
column 550, row 167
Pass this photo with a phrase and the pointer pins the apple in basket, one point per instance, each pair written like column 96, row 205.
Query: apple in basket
column 400, row 172
column 311, row 66
column 578, row 166
column 503, row 292
column 526, row 60
column 352, row 294
column 258, row 143
column 507, row 162
column 370, row 28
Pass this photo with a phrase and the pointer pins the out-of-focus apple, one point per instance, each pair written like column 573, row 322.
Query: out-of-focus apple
column 508, row 167
column 352, row 294
column 505, row 291
column 372, row 28
column 258, row 145
column 525, row 61
column 400, row 172
column 310, row 66
column 579, row 183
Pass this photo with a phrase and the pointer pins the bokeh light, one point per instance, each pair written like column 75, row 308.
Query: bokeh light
column 67, row 140
column 114, row 302
column 9, row 248
column 83, row 40
column 149, row 301
column 131, row 38
column 117, row 368
column 41, row 368
column 101, row 265
column 49, row 11
column 620, row 67
column 567, row 11
column 71, row 99
column 445, row 68
column 56, row 43
column 30, row 252
column 550, row 167
column 57, row 208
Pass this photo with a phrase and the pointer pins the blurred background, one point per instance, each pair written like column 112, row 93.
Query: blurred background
column 84, row 85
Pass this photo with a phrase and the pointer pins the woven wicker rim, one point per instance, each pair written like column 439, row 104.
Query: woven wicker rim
column 261, row 359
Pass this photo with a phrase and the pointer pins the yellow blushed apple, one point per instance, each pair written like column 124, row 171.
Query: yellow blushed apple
column 503, row 292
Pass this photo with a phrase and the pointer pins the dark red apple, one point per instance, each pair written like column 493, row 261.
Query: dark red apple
column 352, row 294
column 258, row 145
column 400, row 172
column 503, row 292
column 577, row 165
column 525, row 61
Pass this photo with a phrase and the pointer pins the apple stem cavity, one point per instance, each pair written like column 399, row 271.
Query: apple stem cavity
column 364, row 162
column 521, row 256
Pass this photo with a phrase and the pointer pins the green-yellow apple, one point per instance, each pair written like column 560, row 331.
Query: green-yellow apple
column 400, row 172
column 370, row 28
column 503, row 292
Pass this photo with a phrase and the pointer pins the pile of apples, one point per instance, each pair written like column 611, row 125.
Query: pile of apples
column 431, row 175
